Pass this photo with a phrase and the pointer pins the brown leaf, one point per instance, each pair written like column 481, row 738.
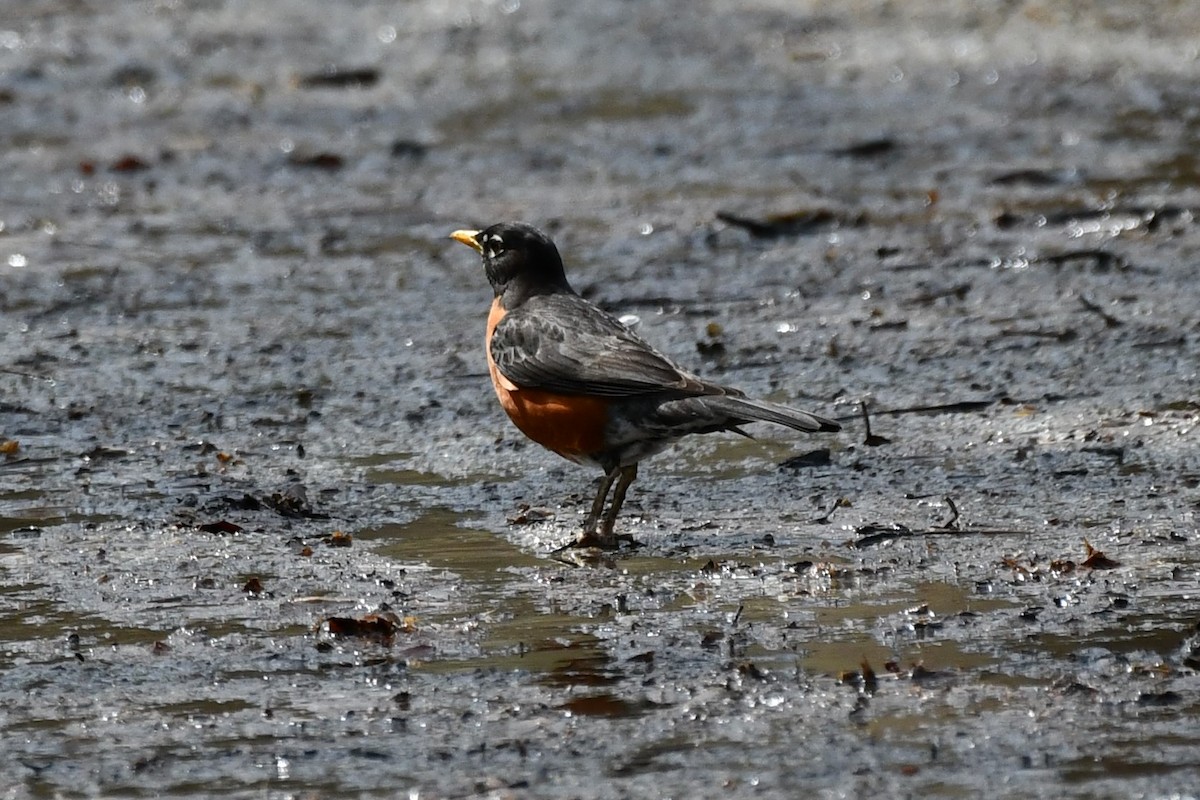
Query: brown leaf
column 335, row 77
column 870, row 682
column 324, row 160
column 527, row 515
column 922, row 673
column 752, row 670
column 1096, row 559
column 381, row 627
column 221, row 526
column 129, row 163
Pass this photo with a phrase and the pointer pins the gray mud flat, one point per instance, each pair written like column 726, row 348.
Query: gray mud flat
column 265, row 533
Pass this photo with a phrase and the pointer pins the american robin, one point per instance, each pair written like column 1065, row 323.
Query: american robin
column 578, row 382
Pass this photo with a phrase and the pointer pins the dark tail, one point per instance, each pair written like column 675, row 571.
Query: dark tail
column 722, row 412
column 743, row 409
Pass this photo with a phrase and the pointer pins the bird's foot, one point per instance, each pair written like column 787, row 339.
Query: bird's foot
column 600, row 541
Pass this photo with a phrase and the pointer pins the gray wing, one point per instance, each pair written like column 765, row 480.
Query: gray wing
column 563, row 343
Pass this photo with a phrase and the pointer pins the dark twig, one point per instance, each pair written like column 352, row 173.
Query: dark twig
column 962, row 407
column 1109, row 320
column 952, row 523
column 878, row 534
column 871, row 439
column 18, row 372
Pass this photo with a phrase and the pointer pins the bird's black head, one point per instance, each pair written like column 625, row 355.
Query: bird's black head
column 520, row 261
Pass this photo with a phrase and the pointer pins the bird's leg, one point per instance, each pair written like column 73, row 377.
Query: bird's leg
column 628, row 476
column 589, row 524
column 623, row 476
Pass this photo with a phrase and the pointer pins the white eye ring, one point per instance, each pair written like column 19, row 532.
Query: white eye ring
column 492, row 252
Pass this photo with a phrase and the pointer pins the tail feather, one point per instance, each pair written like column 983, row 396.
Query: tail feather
column 725, row 412
column 743, row 409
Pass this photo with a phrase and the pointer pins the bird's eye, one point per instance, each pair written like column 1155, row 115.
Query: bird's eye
column 493, row 245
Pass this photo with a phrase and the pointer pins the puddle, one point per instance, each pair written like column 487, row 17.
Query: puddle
column 440, row 539
column 520, row 632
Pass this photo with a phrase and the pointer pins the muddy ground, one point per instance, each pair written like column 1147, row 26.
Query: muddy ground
column 244, row 405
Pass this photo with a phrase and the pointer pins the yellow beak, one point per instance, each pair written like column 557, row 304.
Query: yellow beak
column 468, row 238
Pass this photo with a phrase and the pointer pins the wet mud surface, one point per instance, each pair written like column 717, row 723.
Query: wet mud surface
column 265, row 532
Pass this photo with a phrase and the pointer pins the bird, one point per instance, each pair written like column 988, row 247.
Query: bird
column 577, row 381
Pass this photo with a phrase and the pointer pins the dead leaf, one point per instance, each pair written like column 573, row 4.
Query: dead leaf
column 129, row 163
column 221, row 526
column 1096, row 559
column 869, row 682
column 323, row 160
column 381, row 627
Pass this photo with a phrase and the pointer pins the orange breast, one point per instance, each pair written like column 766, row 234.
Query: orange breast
column 570, row 425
